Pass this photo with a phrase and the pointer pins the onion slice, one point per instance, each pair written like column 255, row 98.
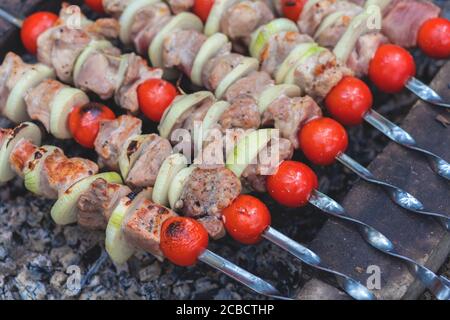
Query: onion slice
column 178, row 108
column 274, row 92
column 292, row 59
column 131, row 152
column 219, row 7
column 247, row 150
column 261, row 36
column 290, row 76
column 93, row 46
column 328, row 22
column 16, row 108
column 184, row 20
column 115, row 243
column 64, row 211
column 209, row 49
column 127, row 18
column 244, row 68
column 169, row 169
column 62, row 104
column 26, row 130
column 177, row 185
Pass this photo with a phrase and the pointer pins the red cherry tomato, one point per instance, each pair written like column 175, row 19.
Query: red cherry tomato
column 96, row 5
column 434, row 38
column 292, row 9
column 322, row 140
column 183, row 240
column 349, row 101
column 391, row 67
column 155, row 95
column 202, row 8
column 246, row 219
column 84, row 122
column 33, row 26
column 292, row 184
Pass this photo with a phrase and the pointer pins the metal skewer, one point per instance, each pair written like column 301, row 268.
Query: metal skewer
column 400, row 136
column 354, row 288
column 439, row 286
column 237, row 273
column 10, row 18
column 425, row 93
column 399, row 196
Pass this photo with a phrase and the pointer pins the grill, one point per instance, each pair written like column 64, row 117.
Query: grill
column 37, row 257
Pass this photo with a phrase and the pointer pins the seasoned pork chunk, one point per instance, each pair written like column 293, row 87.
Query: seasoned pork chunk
column 365, row 50
column 151, row 157
column 255, row 175
column 243, row 18
column 147, row 22
column 251, row 86
column 38, row 101
column 218, row 67
column 180, row 49
column 137, row 72
column 278, row 48
column 112, row 136
column 142, row 227
column 11, row 70
column 214, row 226
column 95, row 206
column 208, row 191
column 178, row 6
column 115, row 7
column 243, row 113
column 289, row 115
column 22, row 153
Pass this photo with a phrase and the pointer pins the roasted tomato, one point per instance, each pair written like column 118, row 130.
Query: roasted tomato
column 349, row 101
column 246, row 219
column 202, row 8
column 96, row 5
column 292, row 9
column 183, row 240
column 84, row 122
column 434, row 38
column 391, row 68
column 155, row 95
column 292, row 184
column 33, row 26
column 322, row 140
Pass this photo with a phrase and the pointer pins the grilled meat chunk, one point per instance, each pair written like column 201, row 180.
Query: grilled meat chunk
column 208, row 191
column 142, row 227
column 112, row 136
column 243, row 113
column 115, row 7
column 181, row 5
column 39, row 99
column 251, row 86
column 214, row 226
column 365, row 50
column 95, row 206
column 180, row 49
column 21, row 154
column 289, row 115
column 218, row 67
column 146, row 168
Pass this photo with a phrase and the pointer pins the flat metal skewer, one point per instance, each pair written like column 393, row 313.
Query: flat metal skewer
column 244, row 277
column 352, row 287
column 399, row 196
column 425, row 93
column 403, row 138
column 10, row 18
column 439, row 286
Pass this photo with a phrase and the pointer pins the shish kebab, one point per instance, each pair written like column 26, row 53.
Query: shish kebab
column 296, row 116
column 181, row 240
column 286, row 55
column 293, row 184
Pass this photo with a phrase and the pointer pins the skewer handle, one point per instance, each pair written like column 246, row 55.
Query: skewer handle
column 10, row 18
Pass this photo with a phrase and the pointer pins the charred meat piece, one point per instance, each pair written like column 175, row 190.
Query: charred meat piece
column 142, row 227
column 137, row 72
column 98, row 73
column 289, row 115
column 251, row 86
column 403, row 20
column 218, row 67
column 112, row 136
column 147, row 22
column 243, row 18
column 180, row 49
column 146, row 168
column 208, row 191
column 243, row 113
column 21, row 154
column 11, row 70
column 39, row 98
column 269, row 158
column 278, row 48
column 95, row 206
